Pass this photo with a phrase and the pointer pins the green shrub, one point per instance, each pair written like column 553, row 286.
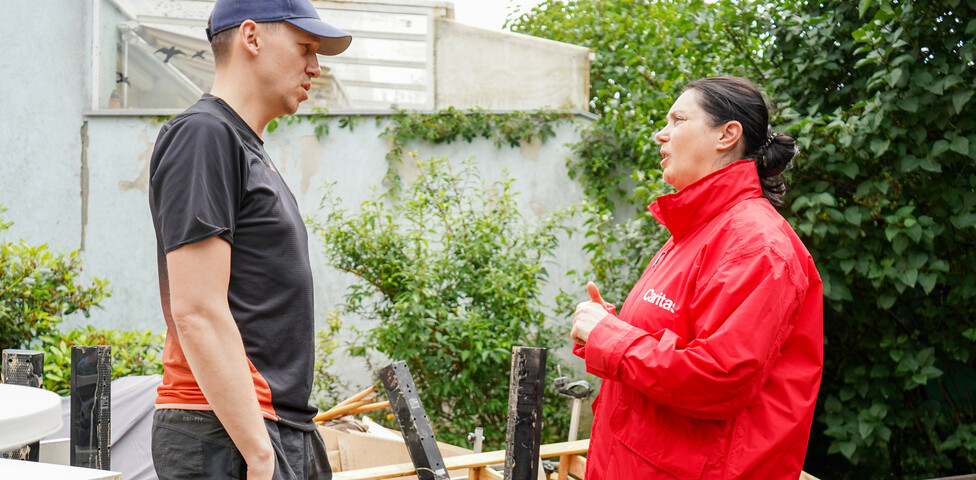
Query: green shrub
column 38, row 288
column 135, row 352
column 450, row 275
column 881, row 98
column 327, row 387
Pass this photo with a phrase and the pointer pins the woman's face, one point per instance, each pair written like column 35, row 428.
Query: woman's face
column 689, row 145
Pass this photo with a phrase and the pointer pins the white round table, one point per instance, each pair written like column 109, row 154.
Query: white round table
column 27, row 414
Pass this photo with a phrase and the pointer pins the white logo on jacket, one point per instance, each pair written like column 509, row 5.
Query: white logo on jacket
column 659, row 299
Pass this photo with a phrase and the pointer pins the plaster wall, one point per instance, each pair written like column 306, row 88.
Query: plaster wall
column 43, row 89
column 120, row 245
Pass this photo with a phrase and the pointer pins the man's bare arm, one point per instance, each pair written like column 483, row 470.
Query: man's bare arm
column 199, row 275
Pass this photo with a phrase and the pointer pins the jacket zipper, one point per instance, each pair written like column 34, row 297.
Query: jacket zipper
column 663, row 254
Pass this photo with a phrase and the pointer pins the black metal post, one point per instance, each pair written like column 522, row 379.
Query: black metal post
column 414, row 424
column 524, row 435
column 91, row 403
column 22, row 367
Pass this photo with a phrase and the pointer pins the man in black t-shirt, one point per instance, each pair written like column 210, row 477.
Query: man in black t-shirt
column 234, row 276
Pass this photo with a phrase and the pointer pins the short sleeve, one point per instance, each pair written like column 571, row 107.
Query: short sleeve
column 195, row 181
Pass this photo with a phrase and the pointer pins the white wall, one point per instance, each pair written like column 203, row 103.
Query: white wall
column 119, row 240
column 44, row 64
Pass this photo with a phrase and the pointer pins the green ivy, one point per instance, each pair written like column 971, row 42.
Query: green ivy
column 319, row 118
column 450, row 125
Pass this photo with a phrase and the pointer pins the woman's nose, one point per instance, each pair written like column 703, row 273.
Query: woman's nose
column 661, row 135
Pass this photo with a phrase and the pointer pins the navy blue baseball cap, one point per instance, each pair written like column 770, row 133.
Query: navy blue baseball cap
column 228, row 14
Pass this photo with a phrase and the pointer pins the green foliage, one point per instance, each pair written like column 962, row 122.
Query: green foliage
column 617, row 249
column 644, row 53
column 38, row 289
column 318, row 117
column 450, row 125
column 450, row 274
column 327, row 387
column 881, row 101
column 134, row 352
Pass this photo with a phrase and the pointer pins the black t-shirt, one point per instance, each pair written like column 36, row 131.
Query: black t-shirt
column 210, row 176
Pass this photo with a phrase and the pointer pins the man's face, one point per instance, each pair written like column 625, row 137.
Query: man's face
column 288, row 65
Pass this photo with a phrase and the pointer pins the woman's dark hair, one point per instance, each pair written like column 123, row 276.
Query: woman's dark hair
column 733, row 98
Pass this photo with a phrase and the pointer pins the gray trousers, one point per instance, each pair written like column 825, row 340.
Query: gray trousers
column 193, row 445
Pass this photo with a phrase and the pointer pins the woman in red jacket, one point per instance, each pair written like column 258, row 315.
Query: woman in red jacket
column 712, row 367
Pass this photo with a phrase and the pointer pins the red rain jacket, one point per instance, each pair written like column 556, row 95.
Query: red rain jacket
column 712, row 368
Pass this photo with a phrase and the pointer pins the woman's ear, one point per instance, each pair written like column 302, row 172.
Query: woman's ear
column 730, row 134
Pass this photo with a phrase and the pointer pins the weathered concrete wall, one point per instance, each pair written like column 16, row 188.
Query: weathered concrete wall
column 44, row 86
column 119, row 240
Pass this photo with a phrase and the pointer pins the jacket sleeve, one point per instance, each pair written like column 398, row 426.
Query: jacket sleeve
column 742, row 316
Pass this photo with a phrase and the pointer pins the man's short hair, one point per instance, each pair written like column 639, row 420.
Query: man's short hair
column 221, row 42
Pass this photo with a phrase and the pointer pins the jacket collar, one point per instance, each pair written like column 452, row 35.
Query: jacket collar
column 684, row 211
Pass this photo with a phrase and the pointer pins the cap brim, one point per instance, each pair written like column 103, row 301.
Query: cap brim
column 334, row 41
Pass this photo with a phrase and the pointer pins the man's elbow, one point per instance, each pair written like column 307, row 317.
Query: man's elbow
column 191, row 318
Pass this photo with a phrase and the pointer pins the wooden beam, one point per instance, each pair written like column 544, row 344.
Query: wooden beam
column 577, row 466
column 472, row 461
column 484, row 473
column 563, row 472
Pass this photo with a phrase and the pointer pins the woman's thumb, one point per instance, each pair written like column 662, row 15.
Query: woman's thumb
column 595, row 294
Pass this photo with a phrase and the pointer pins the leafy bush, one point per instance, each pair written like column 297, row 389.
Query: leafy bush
column 451, row 275
column 38, row 288
column 135, row 352
column 327, row 387
column 881, row 97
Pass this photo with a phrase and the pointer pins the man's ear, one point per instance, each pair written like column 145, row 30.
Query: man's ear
column 730, row 134
column 248, row 37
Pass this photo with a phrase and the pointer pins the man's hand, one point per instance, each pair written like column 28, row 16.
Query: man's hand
column 589, row 314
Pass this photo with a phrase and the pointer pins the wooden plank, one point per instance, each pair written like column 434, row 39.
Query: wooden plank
column 471, row 461
column 577, row 466
column 484, row 473
column 563, row 472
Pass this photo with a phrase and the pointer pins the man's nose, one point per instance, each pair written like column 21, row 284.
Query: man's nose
column 313, row 69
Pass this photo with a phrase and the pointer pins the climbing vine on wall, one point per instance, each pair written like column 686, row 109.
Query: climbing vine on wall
column 444, row 126
column 450, row 125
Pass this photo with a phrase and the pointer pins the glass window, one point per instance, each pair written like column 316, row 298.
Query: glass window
column 154, row 54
